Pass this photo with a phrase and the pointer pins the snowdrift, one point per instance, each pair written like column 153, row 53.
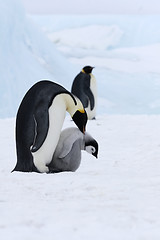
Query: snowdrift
column 26, row 57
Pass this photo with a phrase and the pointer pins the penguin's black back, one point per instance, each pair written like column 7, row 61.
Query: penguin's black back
column 81, row 89
column 80, row 86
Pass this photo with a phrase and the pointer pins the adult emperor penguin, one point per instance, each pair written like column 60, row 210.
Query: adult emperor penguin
column 67, row 155
column 85, row 88
column 39, row 121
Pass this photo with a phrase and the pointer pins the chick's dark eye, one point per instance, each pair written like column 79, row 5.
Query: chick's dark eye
column 93, row 149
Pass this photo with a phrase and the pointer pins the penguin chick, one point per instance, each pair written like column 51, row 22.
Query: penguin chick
column 84, row 86
column 67, row 155
column 39, row 122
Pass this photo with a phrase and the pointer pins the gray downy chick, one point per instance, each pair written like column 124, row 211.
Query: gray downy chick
column 67, row 156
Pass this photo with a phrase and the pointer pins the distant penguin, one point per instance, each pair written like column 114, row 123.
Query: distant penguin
column 67, row 155
column 39, row 122
column 84, row 87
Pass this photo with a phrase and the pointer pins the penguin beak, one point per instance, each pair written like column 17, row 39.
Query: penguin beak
column 95, row 155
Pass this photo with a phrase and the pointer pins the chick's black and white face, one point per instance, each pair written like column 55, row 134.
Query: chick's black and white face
column 92, row 148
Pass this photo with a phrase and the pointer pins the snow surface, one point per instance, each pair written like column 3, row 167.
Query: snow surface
column 113, row 197
column 84, row 37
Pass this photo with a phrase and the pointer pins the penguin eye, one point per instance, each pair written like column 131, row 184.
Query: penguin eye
column 93, row 149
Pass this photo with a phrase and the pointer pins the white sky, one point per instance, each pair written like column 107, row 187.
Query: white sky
column 92, row 6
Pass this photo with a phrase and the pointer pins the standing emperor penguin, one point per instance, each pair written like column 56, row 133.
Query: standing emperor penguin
column 39, row 122
column 85, row 88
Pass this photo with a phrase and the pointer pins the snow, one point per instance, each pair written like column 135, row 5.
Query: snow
column 123, row 49
column 84, row 37
column 26, row 57
column 92, row 7
column 115, row 196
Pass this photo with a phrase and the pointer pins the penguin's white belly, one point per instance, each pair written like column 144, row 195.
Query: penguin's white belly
column 44, row 155
column 93, row 86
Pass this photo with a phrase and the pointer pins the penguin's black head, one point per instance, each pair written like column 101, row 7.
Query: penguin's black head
column 80, row 119
column 87, row 69
column 91, row 146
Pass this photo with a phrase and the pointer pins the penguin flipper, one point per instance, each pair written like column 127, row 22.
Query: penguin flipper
column 89, row 93
column 67, row 144
column 41, row 118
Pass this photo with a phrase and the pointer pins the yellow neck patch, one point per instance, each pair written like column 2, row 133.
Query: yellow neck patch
column 81, row 111
column 83, row 71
